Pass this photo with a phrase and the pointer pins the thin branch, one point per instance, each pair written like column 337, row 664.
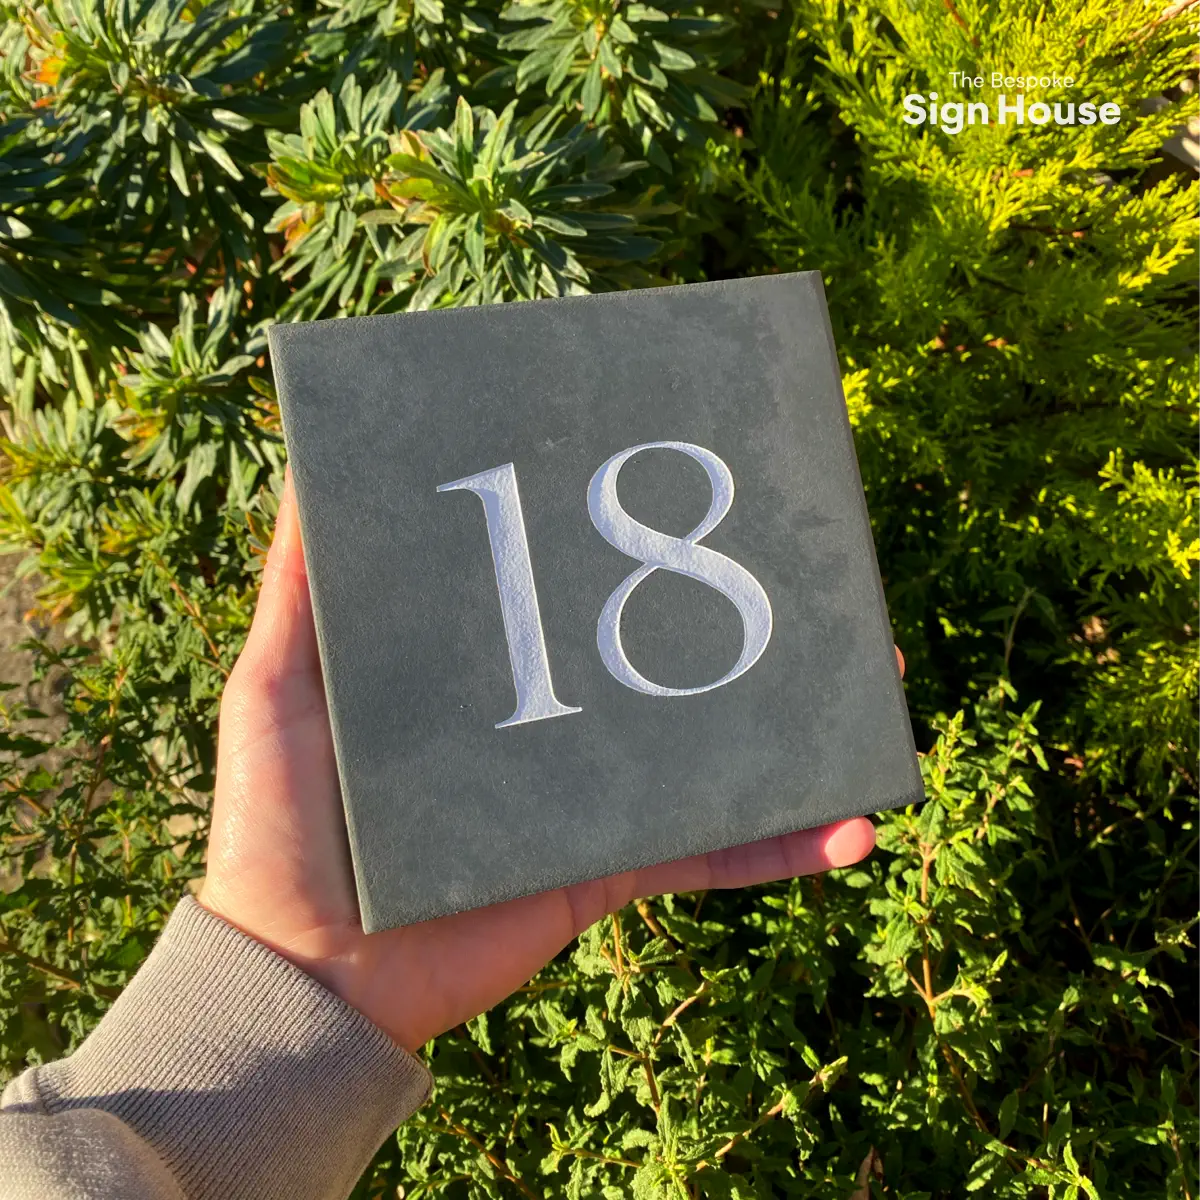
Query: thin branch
column 56, row 973
column 655, row 1098
column 98, row 775
column 647, row 915
column 502, row 1167
column 192, row 611
column 578, row 1152
column 536, row 988
column 1011, row 633
column 14, row 785
column 480, row 1062
column 622, row 1051
column 925, row 991
column 616, row 923
column 1168, row 14
column 674, row 1014
column 1187, row 1191
column 770, row 1114
column 952, row 9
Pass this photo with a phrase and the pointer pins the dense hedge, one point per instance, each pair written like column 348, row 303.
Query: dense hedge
column 1003, row 998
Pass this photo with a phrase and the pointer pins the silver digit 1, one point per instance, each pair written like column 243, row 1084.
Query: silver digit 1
column 681, row 555
column 497, row 489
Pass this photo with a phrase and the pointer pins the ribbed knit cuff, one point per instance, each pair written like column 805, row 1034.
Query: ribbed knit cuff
column 246, row 1076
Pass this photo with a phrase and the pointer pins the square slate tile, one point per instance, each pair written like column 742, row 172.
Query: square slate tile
column 579, row 660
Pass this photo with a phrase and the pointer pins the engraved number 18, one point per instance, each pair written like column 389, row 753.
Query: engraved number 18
column 497, row 489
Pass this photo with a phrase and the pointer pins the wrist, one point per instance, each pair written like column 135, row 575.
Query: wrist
column 228, row 1062
column 331, row 956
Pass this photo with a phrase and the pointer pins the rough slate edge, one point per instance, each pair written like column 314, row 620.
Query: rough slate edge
column 913, row 793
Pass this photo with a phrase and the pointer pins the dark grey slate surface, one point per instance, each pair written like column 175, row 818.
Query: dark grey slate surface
column 448, row 812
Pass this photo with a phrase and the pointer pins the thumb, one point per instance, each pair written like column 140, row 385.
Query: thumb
column 281, row 654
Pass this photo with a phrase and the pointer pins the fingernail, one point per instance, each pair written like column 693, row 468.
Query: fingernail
column 850, row 842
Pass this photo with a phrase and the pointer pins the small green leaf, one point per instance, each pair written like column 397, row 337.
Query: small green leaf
column 671, row 58
column 1008, row 1114
column 473, row 243
column 592, row 91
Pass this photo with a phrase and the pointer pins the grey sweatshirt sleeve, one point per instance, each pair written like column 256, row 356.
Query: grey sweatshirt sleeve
column 221, row 1071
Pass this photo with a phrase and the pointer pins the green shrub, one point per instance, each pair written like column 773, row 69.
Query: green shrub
column 1002, row 999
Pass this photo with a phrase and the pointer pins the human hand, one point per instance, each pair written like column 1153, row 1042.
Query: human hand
column 279, row 863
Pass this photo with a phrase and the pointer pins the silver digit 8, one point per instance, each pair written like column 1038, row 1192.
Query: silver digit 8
column 685, row 556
